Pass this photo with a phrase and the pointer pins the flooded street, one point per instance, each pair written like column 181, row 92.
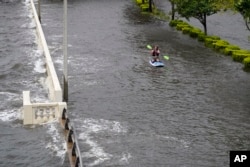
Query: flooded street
column 190, row 113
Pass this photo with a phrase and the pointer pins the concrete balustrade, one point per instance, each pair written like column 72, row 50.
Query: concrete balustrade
column 55, row 88
column 37, row 113
column 55, row 92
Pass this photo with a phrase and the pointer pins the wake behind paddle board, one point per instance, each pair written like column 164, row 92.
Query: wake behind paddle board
column 157, row 63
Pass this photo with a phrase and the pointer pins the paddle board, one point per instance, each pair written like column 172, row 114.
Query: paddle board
column 157, row 63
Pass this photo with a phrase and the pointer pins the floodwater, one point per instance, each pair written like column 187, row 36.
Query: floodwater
column 190, row 113
column 22, row 68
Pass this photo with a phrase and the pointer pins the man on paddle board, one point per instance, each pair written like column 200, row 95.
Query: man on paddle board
column 155, row 54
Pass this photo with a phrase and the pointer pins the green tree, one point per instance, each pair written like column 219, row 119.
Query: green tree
column 243, row 7
column 173, row 10
column 198, row 9
column 150, row 3
column 225, row 4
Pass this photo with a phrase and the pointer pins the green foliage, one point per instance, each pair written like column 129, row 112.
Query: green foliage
column 243, row 7
column 241, row 51
column 196, row 8
column 220, row 45
column 174, row 23
column 239, row 57
column 201, row 37
column 186, row 30
column 225, row 4
column 230, row 48
column 213, row 37
column 138, row 2
column 194, row 33
column 181, row 25
column 209, row 41
column 246, row 62
column 144, row 7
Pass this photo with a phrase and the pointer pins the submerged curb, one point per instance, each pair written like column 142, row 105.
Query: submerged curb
column 214, row 42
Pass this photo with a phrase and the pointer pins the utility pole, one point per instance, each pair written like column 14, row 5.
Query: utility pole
column 65, row 54
column 39, row 10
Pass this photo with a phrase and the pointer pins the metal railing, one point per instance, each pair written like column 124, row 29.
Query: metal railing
column 71, row 138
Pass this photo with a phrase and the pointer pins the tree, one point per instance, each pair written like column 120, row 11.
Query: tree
column 150, row 4
column 225, row 4
column 198, row 9
column 243, row 7
column 173, row 10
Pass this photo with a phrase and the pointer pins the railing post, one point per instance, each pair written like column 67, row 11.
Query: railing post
column 27, row 109
column 65, row 46
column 39, row 10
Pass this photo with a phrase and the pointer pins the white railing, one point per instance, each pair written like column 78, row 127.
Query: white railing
column 37, row 113
column 54, row 88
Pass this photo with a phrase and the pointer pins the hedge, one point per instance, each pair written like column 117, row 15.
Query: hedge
column 194, row 33
column 201, row 37
column 186, row 30
column 144, row 7
column 220, row 45
column 230, row 48
column 174, row 23
column 209, row 42
column 239, row 57
column 246, row 62
column 179, row 26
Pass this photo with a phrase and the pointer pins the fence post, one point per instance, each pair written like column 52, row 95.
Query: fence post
column 27, row 109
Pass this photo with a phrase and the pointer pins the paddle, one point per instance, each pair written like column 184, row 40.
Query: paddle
column 149, row 47
column 165, row 56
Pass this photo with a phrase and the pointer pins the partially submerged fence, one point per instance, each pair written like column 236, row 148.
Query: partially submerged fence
column 37, row 113
column 30, row 110
column 72, row 142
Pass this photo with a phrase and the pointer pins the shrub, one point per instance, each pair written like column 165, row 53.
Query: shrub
column 174, row 23
column 209, row 41
column 241, row 51
column 186, row 30
column 194, row 32
column 139, row 2
column 230, row 48
column 201, row 37
column 239, row 57
column 144, row 7
column 220, row 45
column 179, row 26
column 213, row 37
column 246, row 62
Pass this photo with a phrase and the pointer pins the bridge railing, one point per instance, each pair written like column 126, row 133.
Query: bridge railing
column 72, row 142
column 37, row 113
column 55, row 91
